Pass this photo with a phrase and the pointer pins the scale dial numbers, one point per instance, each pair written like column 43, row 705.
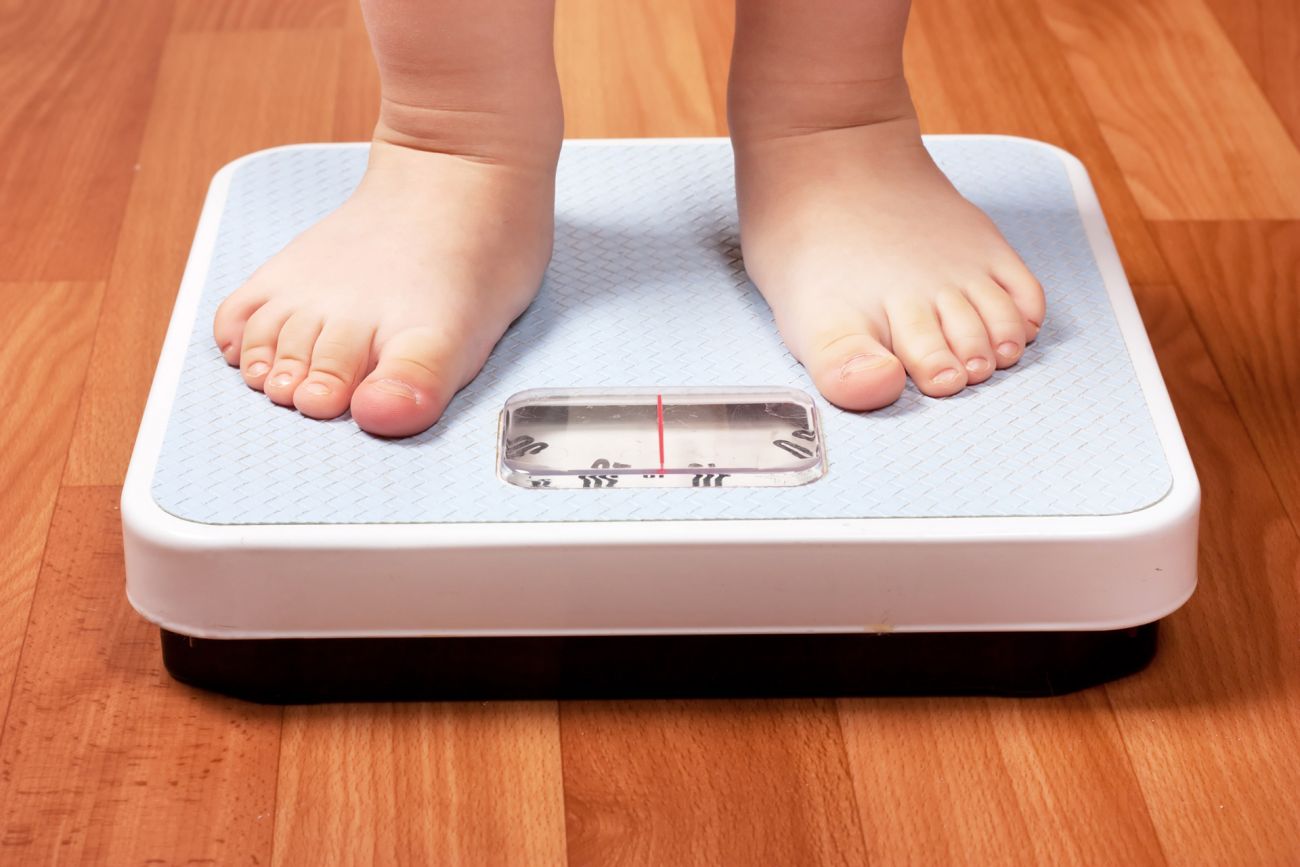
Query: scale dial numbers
column 600, row 439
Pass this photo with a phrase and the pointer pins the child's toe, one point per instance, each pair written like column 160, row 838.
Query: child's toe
column 855, row 371
column 1002, row 319
column 1026, row 292
column 409, row 388
column 919, row 342
column 966, row 335
column 292, row 357
column 230, row 319
column 261, row 333
column 339, row 359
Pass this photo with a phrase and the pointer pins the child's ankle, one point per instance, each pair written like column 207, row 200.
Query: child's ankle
column 760, row 110
column 528, row 135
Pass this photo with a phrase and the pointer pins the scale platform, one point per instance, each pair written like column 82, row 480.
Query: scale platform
column 697, row 520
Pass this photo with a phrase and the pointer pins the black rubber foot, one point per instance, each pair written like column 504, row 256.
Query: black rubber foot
column 295, row 671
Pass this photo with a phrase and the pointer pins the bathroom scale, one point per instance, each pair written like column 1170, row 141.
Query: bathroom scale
column 642, row 494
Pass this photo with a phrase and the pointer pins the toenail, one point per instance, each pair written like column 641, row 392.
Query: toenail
column 282, row 379
column 395, row 387
column 225, row 348
column 945, row 377
column 977, row 365
column 859, row 363
column 317, row 388
column 257, row 368
column 1008, row 350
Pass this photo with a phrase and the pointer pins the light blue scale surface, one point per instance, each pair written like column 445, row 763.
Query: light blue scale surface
column 647, row 289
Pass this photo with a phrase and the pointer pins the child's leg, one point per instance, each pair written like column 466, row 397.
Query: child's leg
column 872, row 262
column 393, row 302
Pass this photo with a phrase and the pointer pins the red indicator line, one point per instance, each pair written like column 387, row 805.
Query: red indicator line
column 660, row 400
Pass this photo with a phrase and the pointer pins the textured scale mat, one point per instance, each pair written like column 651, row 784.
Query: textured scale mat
column 647, row 289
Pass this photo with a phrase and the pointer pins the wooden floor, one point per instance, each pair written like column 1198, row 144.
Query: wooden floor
column 114, row 117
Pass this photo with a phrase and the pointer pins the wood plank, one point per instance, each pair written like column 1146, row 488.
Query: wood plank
column 1196, row 138
column 420, row 784
column 75, row 88
column 973, row 781
column 700, row 782
column 1266, row 34
column 1213, row 727
column 691, row 41
column 1241, row 282
column 633, row 69
column 105, row 760
column 583, row 59
column 356, row 106
column 995, row 67
column 715, row 27
column 43, row 358
column 200, row 15
column 220, row 95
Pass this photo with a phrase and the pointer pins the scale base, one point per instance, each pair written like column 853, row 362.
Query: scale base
column 312, row 670
column 1022, row 538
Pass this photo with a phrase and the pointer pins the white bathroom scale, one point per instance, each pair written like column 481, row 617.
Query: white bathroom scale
column 643, row 494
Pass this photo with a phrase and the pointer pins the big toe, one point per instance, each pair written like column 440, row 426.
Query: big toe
column 412, row 384
column 857, row 372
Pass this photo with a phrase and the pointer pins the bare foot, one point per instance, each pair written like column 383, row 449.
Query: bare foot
column 393, row 302
column 874, row 265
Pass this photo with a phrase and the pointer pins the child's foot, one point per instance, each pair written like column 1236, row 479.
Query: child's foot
column 392, row 303
column 874, row 265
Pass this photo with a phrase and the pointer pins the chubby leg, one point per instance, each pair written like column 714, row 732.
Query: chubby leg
column 393, row 302
column 874, row 265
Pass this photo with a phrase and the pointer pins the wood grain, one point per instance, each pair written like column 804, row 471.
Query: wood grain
column 1214, row 727
column 996, row 67
column 697, row 782
column 114, row 124
column 69, row 147
column 106, row 760
column 48, row 328
column 1194, row 135
column 1266, row 36
column 258, row 15
column 633, row 69
column 955, row 781
column 220, row 95
column 356, row 106
column 1242, row 285
column 715, row 26
column 421, row 784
